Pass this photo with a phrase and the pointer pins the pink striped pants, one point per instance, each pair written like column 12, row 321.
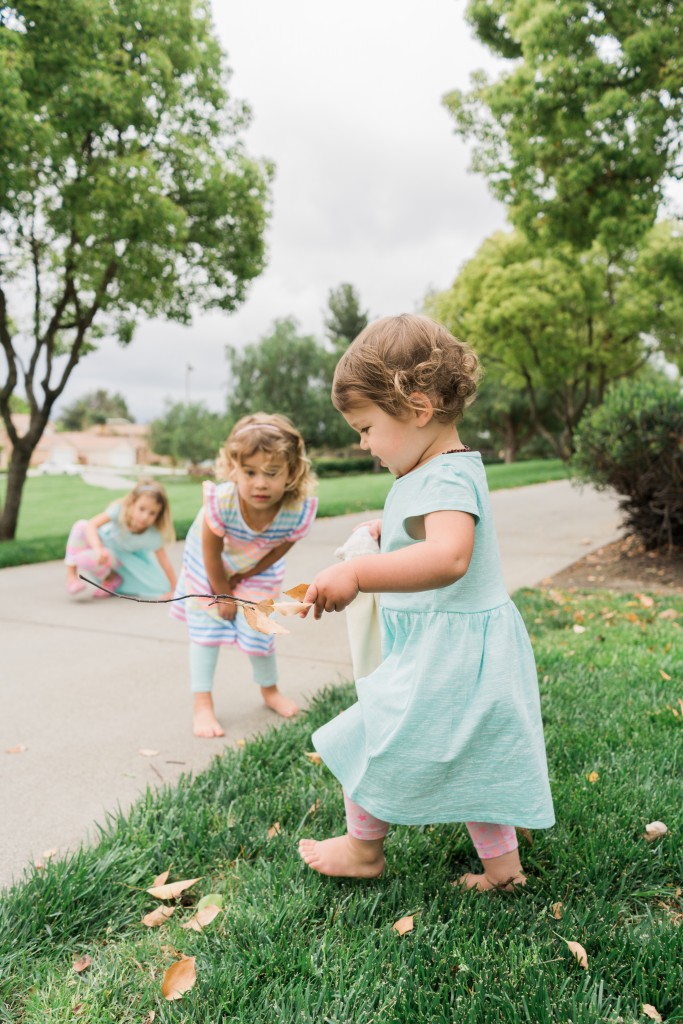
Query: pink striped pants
column 489, row 840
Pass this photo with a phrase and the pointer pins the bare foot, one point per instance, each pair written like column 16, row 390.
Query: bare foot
column 278, row 703
column 204, row 722
column 503, row 872
column 344, row 856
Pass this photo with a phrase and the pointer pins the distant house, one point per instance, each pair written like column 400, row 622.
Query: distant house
column 116, row 444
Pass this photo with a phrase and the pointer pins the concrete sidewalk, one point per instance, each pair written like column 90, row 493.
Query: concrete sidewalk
column 86, row 686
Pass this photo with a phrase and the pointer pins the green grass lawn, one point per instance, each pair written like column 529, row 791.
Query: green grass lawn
column 292, row 946
column 51, row 504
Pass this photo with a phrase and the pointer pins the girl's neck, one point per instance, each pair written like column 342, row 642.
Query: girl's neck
column 258, row 521
column 442, row 440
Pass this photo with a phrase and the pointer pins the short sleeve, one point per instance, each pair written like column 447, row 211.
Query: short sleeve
column 444, row 489
column 304, row 521
column 215, row 506
column 114, row 511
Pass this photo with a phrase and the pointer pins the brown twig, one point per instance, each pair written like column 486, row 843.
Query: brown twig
column 215, row 598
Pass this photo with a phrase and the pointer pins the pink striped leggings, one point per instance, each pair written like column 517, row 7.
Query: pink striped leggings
column 489, row 840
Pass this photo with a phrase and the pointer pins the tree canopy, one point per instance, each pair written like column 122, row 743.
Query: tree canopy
column 95, row 407
column 580, row 137
column 345, row 318
column 125, row 189
column 188, row 432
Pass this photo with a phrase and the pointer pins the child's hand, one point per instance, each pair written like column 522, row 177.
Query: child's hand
column 333, row 589
column 374, row 526
column 227, row 609
column 103, row 556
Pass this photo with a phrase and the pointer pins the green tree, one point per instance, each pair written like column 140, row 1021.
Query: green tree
column 581, row 135
column 289, row 373
column 94, row 407
column 562, row 324
column 345, row 318
column 124, row 188
column 187, row 432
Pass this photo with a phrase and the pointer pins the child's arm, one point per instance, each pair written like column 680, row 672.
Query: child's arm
column 91, row 528
column 439, row 560
column 212, row 549
column 264, row 563
column 165, row 563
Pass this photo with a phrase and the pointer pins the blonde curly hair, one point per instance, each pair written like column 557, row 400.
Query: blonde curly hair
column 150, row 489
column 276, row 436
column 397, row 356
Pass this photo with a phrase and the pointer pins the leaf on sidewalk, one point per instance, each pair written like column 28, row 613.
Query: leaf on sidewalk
column 179, row 978
column 158, row 917
column 19, row 749
column 148, row 753
column 579, row 953
column 173, row 889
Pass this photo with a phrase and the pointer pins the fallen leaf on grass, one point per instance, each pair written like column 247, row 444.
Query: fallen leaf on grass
column 668, row 613
column 83, row 963
column 149, row 1018
column 299, row 592
column 665, row 675
column 274, row 830
column 315, row 807
column 557, row 911
column 202, row 918
column 593, row 777
column 651, row 1012
column 527, row 835
column 654, row 830
column 579, row 953
column 160, row 879
column 313, row 756
column 240, row 743
column 173, row 889
column 19, row 749
column 579, row 629
column 260, row 622
column 148, row 753
column 158, row 917
column 404, row 924
column 179, row 978
column 214, row 899
column 645, row 601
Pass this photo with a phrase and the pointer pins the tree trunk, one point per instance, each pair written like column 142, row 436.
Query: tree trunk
column 510, row 440
column 16, row 478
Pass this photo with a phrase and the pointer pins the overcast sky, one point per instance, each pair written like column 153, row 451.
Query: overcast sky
column 372, row 186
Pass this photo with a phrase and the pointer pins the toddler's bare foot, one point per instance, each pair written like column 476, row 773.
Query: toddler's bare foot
column 204, row 722
column 278, row 703
column 503, row 872
column 344, row 856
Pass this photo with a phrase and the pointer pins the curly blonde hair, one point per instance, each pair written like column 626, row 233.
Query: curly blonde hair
column 150, row 489
column 397, row 356
column 273, row 435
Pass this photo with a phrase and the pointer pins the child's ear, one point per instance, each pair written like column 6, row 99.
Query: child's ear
column 422, row 408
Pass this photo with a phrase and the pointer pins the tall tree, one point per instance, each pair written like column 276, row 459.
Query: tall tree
column 124, row 188
column 345, row 319
column 187, row 432
column 561, row 324
column 95, row 407
column 287, row 372
column 581, row 135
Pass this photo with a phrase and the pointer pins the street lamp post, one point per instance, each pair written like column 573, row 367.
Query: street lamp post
column 188, row 371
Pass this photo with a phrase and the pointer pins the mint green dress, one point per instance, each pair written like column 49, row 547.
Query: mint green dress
column 448, row 727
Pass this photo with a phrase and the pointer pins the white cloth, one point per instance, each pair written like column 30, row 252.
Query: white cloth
column 362, row 615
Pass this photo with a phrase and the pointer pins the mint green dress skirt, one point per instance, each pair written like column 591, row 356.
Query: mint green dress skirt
column 448, row 727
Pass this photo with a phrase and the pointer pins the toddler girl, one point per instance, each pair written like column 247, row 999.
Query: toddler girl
column 237, row 545
column 448, row 727
column 123, row 547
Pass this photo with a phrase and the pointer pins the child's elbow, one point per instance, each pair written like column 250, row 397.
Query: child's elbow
column 455, row 567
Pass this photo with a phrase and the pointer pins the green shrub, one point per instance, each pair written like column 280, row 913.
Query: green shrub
column 329, row 466
column 633, row 443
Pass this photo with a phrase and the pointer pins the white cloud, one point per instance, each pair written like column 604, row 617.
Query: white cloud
column 371, row 185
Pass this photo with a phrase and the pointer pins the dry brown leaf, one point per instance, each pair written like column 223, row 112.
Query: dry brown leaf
column 274, row 830
column 170, row 951
column 651, row 1012
column 291, row 607
column 266, row 606
column 313, row 756
column 557, row 911
column 654, row 830
column 179, row 978
column 579, row 952
column 668, row 613
column 173, row 889
column 19, row 749
column 240, row 743
column 158, row 916
column 83, row 963
column 149, row 1018
column 299, row 592
column 160, row 879
column 404, row 924
column 527, row 835
column 645, row 601
column 202, row 918
column 579, row 629
column 48, row 854
column 665, row 675
column 260, row 622
column 593, row 777
column 148, row 753
column 315, row 807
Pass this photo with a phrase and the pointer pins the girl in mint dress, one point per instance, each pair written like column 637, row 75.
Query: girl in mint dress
column 448, row 726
